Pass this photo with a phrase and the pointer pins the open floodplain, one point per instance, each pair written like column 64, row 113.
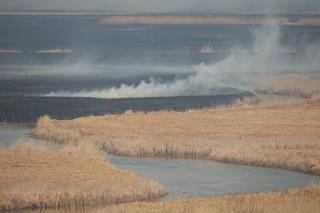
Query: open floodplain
column 200, row 110
column 211, row 159
column 66, row 165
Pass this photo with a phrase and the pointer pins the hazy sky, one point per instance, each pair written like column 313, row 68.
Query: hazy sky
column 154, row 4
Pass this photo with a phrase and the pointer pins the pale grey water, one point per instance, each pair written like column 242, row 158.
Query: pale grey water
column 194, row 178
column 10, row 134
column 198, row 178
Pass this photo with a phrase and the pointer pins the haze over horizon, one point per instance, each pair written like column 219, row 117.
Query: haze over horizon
column 172, row 5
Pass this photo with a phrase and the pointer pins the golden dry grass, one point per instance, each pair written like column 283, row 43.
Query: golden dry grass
column 34, row 175
column 283, row 136
column 298, row 201
column 292, row 201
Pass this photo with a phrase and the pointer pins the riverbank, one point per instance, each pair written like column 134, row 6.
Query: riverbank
column 292, row 201
column 283, row 136
column 37, row 176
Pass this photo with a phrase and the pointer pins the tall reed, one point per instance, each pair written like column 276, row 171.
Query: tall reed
column 38, row 176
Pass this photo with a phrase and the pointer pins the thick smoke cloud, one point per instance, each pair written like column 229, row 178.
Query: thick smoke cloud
column 264, row 56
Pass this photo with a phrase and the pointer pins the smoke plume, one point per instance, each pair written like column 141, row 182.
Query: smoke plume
column 263, row 56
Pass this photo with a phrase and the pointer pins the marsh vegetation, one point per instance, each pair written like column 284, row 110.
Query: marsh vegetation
column 256, row 132
column 282, row 136
column 292, row 201
column 38, row 175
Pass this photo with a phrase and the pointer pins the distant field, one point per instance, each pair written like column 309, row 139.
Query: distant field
column 230, row 16
column 215, row 20
column 34, row 176
column 194, row 11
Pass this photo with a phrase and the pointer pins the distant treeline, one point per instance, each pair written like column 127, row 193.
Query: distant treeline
column 216, row 19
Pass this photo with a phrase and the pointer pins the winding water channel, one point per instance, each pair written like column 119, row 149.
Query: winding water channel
column 194, row 178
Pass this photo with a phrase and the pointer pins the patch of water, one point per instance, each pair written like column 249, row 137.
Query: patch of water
column 199, row 178
column 12, row 134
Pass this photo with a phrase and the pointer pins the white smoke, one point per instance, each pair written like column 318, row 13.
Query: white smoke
column 263, row 56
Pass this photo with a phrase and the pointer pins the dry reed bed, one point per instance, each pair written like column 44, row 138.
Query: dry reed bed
column 292, row 201
column 282, row 136
column 34, row 175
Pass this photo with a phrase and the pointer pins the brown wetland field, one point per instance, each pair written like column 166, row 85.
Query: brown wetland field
column 234, row 83
column 283, row 135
